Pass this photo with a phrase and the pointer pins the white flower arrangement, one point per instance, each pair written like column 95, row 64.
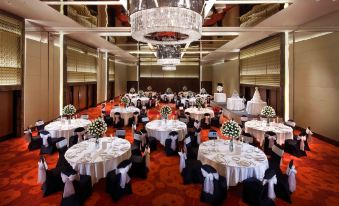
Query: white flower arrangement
column 141, row 93
column 169, row 91
column 132, row 91
column 190, row 94
column 231, row 129
column 267, row 111
column 149, row 88
column 203, row 91
column 165, row 111
column 220, row 89
column 69, row 110
column 125, row 100
column 199, row 101
column 184, row 88
column 97, row 128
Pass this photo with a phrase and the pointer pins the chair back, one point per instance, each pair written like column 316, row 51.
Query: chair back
column 123, row 169
column 61, row 144
column 210, row 174
column 120, row 133
column 212, row 134
column 84, row 116
column 277, row 150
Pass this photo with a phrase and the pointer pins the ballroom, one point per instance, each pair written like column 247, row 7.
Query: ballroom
column 169, row 102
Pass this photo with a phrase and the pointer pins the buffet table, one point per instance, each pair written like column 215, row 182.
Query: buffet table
column 243, row 162
column 96, row 160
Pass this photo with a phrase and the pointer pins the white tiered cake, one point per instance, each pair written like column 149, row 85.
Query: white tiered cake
column 256, row 97
column 256, row 104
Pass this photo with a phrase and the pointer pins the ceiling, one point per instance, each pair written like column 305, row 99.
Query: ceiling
column 223, row 34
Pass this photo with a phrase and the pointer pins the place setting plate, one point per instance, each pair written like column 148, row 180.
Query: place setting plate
column 236, row 158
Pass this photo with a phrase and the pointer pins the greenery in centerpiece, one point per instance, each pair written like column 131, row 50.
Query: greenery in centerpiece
column 165, row 111
column 69, row 110
column 125, row 100
column 97, row 128
column 169, row 91
column 190, row 94
column 267, row 111
column 199, row 101
column 141, row 93
column 231, row 129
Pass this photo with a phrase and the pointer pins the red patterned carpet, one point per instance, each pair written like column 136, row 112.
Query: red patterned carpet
column 317, row 178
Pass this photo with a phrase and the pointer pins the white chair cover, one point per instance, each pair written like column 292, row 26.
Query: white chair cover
column 148, row 156
column 244, row 119
column 80, row 135
column 208, row 182
column 124, row 175
column 137, row 137
column 291, row 172
column 197, row 124
column 271, row 182
column 145, row 119
column 69, row 187
column 39, row 123
column 42, row 167
column 44, row 138
column 187, row 141
column 61, row 144
column 182, row 163
column 290, row 123
column 174, row 142
column 198, row 134
column 278, row 151
column 120, row 132
column 136, row 118
column 302, row 142
column 271, row 140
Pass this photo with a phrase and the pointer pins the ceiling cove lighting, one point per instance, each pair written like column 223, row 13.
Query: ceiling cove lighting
column 166, row 22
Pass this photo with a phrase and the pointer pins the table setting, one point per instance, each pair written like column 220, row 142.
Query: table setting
column 65, row 128
column 198, row 113
column 126, row 113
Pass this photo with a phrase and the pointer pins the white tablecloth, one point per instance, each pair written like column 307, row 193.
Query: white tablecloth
column 132, row 95
column 219, row 97
column 147, row 93
column 197, row 114
column 126, row 113
column 62, row 128
column 144, row 100
column 88, row 158
column 191, row 100
column 235, row 103
column 160, row 130
column 244, row 162
column 169, row 96
column 203, row 95
column 254, row 108
column 258, row 129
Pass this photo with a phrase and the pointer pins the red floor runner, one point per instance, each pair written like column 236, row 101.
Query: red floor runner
column 317, row 178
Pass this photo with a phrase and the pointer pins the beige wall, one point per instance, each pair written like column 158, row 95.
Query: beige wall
column 180, row 72
column 316, row 84
column 132, row 73
column 101, row 79
column 41, row 84
column 207, row 73
column 120, row 79
column 228, row 74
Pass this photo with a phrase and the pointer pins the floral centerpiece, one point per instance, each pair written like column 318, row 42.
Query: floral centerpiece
column 184, row 88
column 169, row 91
column 189, row 94
column 149, row 88
column 268, row 112
column 199, row 101
column 232, row 130
column 220, row 89
column 69, row 110
column 125, row 100
column 203, row 91
column 132, row 91
column 97, row 128
column 141, row 93
column 165, row 111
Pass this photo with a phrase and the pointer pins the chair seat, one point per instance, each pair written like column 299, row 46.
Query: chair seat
column 138, row 168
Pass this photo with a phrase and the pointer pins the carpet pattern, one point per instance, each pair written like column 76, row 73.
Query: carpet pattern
column 317, row 177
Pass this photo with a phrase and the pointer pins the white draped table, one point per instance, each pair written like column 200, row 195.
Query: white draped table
column 198, row 114
column 144, row 100
column 235, row 103
column 169, row 96
column 254, row 108
column 219, row 97
column 258, row 129
column 62, row 128
column 126, row 113
column 96, row 160
column 244, row 162
column 132, row 95
column 160, row 129
column 190, row 100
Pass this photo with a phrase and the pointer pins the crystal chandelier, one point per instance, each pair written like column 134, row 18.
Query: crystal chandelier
column 169, row 68
column 168, row 56
column 166, row 21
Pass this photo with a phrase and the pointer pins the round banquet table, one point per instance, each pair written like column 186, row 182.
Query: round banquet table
column 203, row 95
column 88, row 158
column 258, row 129
column 244, row 162
column 62, row 128
column 132, row 95
column 169, row 96
column 144, row 100
column 197, row 114
column 126, row 113
column 254, row 108
column 190, row 100
column 235, row 103
column 160, row 129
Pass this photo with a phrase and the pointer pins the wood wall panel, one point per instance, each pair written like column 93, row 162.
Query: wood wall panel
column 7, row 113
column 82, row 96
column 132, row 84
column 76, row 97
column 176, row 84
column 110, row 90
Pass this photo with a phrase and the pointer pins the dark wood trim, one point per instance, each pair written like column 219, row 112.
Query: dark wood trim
column 5, row 88
column 6, row 13
column 282, row 73
column 79, row 83
column 259, row 86
column 64, row 71
column 321, row 137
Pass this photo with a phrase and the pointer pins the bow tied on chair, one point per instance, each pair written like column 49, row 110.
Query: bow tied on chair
column 291, row 172
column 44, row 138
column 148, row 156
column 42, row 167
column 174, row 142
column 124, row 175
column 69, row 187
column 271, row 182
column 208, row 182
column 196, row 124
column 182, row 163
column 302, row 142
column 271, row 140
